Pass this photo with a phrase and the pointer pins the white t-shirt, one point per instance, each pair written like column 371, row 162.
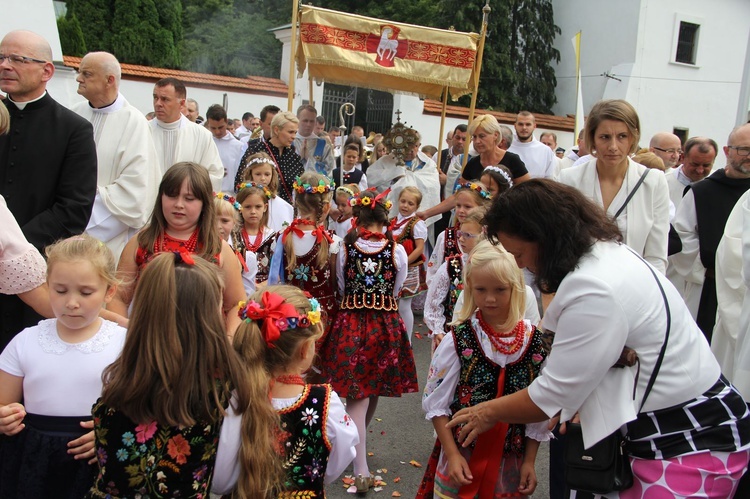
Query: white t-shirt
column 59, row 378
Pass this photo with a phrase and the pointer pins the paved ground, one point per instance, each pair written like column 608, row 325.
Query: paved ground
column 400, row 434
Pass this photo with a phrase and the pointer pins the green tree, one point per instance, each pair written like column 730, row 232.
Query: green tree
column 95, row 18
column 138, row 36
column 516, row 68
column 71, row 35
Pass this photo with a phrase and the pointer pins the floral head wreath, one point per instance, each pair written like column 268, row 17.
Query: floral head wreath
column 229, row 199
column 257, row 161
column 481, row 190
column 245, row 185
column 277, row 315
column 502, row 172
column 345, row 190
column 372, row 202
column 322, row 187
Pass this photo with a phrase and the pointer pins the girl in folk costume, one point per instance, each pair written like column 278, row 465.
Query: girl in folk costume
column 491, row 352
column 227, row 219
column 467, row 196
column 345, row 221
column 227, row 211
column 367, row 352
column 253, row 239
column 261, row 170
column 51, row 374
column 448, row 281
column 308, row 259
column 410, row 232
column 158, row 420
column 301, row 438
column 183, row 220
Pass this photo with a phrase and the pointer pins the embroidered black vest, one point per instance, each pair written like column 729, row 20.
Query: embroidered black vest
column 305, row 443
column 263, row 254
column 455, row 267
column 370, row 279
column 477, row 382
column 317, row 281
column 406, row 239
column 450, row 243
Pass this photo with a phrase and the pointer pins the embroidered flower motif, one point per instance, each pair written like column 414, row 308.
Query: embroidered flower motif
column 144, row 432
column 128, row 438
column 313, row 470
column 310, row 416
column 466, row 353
column 301, row 272
column 101, row 456
column 536, row 358
column 369, row 280
column 178, row 449
column 160, row 476
column 369, row 264
column 121, row 454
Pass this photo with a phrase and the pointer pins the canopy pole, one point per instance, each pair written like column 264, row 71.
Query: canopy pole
column 292, row 56
column 480, row 51
column 310, row 89
column 442, row 126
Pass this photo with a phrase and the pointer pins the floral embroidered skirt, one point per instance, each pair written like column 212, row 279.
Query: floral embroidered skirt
column 367, row 353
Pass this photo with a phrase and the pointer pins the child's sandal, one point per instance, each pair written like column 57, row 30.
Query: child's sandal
column 363, row 484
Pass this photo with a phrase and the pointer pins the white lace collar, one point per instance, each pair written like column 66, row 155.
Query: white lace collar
column 51, row 342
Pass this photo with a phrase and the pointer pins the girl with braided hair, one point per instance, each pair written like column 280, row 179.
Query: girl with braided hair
column 367, row 353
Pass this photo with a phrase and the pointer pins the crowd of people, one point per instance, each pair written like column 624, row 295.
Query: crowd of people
column 223, row 304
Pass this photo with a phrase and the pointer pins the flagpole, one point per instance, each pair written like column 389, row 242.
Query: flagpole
column 310, row 88
column 442, row 125
column 480, row 51
column 579, row 101
column 292, row 56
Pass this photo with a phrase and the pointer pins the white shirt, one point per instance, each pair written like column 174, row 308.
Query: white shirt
column 230, row 152
column 539, row 159
column 59, row 378
column 608, row 301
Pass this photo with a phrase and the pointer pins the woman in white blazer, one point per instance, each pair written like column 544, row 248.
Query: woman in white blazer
column 613, row 130
column 693, row 426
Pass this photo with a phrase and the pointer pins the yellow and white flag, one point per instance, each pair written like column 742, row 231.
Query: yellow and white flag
column 372, row 53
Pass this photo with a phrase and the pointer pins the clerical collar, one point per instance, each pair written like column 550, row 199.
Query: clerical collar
column 170, row 126
column 682, row 178
column 118, row 104
column 22, row 105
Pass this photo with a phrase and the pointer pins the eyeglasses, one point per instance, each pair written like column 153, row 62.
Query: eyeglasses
column 467, row 235
column 15, row 59
column 741, row 150
column 669, row 151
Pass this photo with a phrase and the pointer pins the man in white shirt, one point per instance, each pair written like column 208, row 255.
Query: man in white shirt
column 176, row 138
column 230, row 149
column 249, row 123
column 668, row 147
column 539, row 159
column 128, row 169
column 192, row 110
column 316, row 152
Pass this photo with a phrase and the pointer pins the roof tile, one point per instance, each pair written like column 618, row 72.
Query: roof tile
column 546, row 121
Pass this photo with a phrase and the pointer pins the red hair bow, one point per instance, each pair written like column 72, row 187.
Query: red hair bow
column 273, row 313
column 319, row 232
column 184, row 256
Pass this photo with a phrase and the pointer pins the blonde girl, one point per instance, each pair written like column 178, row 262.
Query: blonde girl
column 379, row 150
column 253, row 239
column 261, row 170
column 315, row 433
column 411, row 233
column 164, row 400
column 309, row 249
column 367, row 353
column 51, row 374
column 491, row 352
column 183, row 220
column 447, row 283
column 467, row 197
column 227, row 214
column 345, row 221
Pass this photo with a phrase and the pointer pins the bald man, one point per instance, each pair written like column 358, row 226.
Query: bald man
column 128, row 172
column 47, row 161
column 668, row 147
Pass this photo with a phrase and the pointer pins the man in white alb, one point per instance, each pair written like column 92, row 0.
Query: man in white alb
column 230, row 149
column 178, row 139
column 539, row 159
column 128, row 174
